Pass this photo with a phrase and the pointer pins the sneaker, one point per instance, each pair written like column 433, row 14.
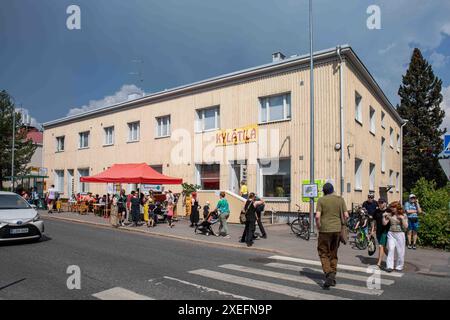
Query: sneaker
column 414, row 247
column 409, row 246
column 264, row 236
column 389, row 270
column 328, row 283
column 227, row 236
column 249, row 244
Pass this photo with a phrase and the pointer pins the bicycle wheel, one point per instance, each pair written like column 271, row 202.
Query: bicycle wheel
column 361, row 240
column 297, row 227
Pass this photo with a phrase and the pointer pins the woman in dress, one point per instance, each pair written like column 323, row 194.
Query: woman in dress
column 195, row 216
column 114, row 217
column 398, row 222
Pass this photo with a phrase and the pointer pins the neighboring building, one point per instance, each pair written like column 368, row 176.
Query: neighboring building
column 269, row 107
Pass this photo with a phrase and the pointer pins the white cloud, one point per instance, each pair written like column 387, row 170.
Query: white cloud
column 446, row 29
column 438, row 60
column 117, row 97
column 388, row 48
column 446, row 106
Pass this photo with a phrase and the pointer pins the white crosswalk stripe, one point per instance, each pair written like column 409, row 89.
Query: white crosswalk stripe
column 119, row 293
column 340, row 267
column 267, row 286
column 342, row 275
column 300, row 279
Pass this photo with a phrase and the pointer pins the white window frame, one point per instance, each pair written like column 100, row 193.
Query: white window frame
column 372, row 171
column 398, row 142
column 287, row 108
column 82, row 139
column 200, row 120
column 372, row 120
column 391, row 180
column 109, row 142
column 358, row 108
column 159, row 127
column 383, row 117
column 80, row 184
column 132, row 129
column 383, row 155
column 58, row 143
column 397, row 182
column 59, row 181
column 358, row 174
column 260, row 180
column 391, row 137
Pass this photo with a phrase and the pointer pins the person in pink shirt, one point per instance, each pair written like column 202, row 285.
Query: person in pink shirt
column 170, row 214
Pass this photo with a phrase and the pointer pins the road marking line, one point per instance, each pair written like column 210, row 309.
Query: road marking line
column 209, row 289
column 300, row 279
column 267, row 286
column 340, row 266
column 350, row 276
column 119, row 293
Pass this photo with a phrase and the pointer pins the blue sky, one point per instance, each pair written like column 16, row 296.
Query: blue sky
column 53, row 71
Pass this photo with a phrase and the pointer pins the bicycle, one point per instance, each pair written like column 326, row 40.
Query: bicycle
column 300, row 226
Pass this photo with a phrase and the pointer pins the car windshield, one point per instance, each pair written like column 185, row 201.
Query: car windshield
column 12, row 201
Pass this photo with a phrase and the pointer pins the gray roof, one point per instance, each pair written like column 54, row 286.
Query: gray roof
column 295, row 61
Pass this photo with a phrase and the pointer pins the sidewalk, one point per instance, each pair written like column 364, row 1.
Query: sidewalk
column 280, row 241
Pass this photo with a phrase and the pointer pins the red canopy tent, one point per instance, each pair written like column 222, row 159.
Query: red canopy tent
column 131, row 173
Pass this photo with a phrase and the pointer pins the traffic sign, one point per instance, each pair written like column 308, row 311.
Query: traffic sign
column 447, row 144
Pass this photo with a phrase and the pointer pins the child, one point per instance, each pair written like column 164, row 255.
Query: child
column 206, row 210
column 170, row 214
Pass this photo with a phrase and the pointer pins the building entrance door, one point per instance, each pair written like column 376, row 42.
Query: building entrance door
column 238, row 173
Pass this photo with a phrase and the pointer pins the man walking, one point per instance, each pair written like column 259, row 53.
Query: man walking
column 51, row 199
column 328, row 220
column 413, row 210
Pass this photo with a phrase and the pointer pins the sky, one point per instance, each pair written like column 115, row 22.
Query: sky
column 145, row 46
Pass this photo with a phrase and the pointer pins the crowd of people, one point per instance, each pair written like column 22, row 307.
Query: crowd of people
column 391, row 224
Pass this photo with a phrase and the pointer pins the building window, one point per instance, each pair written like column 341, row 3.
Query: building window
column 383, row 156
column 208, row 176
column 59, row 181
column 133, row 131
column 163, row 127
column 84, row 140
column 383, row 125
column 275, row 108
column 398, row 143
column 358, row 174
column 60, row 144
column 358, row 107
column 372, row 177
column 208, row 119
column 397, row 182
column 109, row 136
column 83, row 187
column 157, row 168
column 275, row 178
column 391, row 180
column 372, row 120
column 391, row 138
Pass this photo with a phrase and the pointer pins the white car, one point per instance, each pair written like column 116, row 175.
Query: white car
column 18, row 219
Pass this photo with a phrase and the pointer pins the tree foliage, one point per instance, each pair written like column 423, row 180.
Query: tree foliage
column 420, row 99
column 24, row 149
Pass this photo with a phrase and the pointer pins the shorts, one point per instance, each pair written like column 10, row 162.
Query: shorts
column 382, row 239
column 413, row 226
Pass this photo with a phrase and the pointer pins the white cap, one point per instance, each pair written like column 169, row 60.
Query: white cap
column 412, row 196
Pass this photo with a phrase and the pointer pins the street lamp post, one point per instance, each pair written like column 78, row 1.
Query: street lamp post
column 13, row 146
column 311, row 108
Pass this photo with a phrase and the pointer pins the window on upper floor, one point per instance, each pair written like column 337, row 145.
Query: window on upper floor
column 163, row 127
column 109, row 136
column 383, row 155
column 60, row 144
column 84, row 140
column 275, row 108
column 208, row 119
column 383, row 116
column 391, row 137
column 372, row 120
column 358, row 174
column 133, row 131
column 372, row 177
column 358, row 107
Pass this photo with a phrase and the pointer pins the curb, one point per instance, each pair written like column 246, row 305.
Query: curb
column 132, row 230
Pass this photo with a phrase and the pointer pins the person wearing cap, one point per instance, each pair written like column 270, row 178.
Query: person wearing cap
column 381, row 230
column 413, row 209
column 330, row 207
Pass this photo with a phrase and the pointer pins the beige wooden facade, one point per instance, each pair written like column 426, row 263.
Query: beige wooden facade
column 238, row 97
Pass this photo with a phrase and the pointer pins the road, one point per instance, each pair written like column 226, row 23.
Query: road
column 118, row 264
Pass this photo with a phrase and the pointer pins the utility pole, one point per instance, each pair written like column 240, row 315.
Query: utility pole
column 13, row 146
column 311, row 110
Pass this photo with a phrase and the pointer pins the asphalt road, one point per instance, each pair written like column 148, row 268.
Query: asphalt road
column 118, row 264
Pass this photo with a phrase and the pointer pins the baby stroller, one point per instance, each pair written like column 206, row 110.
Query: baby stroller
column 209, row 225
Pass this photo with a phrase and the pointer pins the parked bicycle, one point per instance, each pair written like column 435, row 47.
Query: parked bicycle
column 300, row 226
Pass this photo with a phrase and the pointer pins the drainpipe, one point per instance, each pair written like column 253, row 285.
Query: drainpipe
column 401, row 159
column 341, row 118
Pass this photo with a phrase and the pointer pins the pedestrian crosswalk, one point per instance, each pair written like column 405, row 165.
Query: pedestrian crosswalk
column 293, row 277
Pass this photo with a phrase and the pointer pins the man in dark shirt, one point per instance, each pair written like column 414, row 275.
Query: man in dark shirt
column 380, row 229
column 370, row 204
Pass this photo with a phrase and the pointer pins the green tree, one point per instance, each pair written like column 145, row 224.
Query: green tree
column 420, row 99
column 24, row 149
